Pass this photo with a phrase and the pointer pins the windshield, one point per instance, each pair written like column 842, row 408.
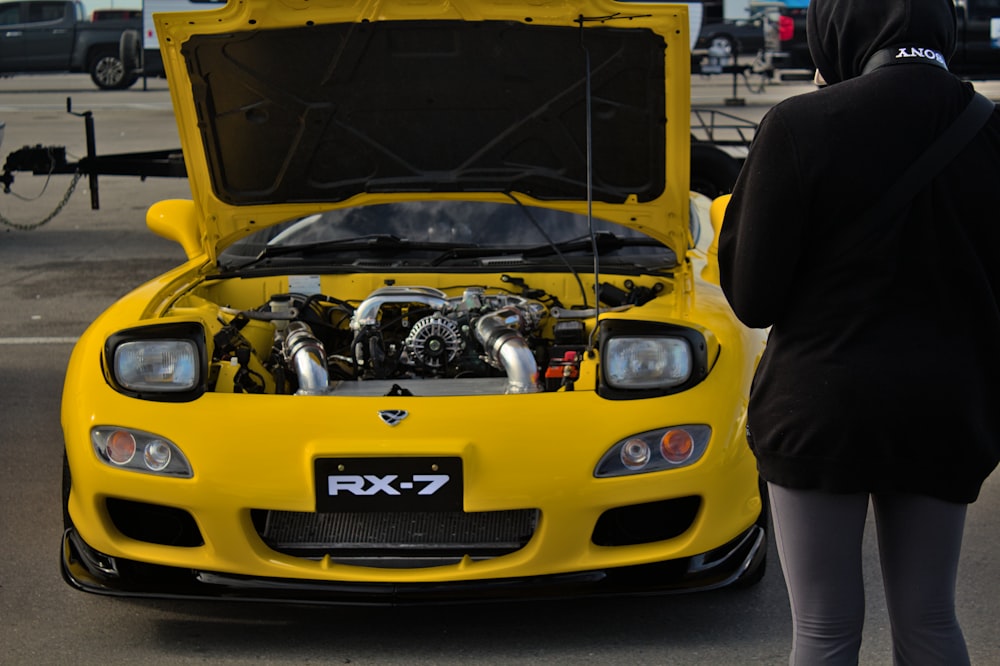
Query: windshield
column 442, row 234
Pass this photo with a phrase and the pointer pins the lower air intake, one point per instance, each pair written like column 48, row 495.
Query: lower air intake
column 396, row 540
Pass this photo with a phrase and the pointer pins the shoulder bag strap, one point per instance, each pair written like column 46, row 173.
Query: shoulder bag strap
column 937, row 156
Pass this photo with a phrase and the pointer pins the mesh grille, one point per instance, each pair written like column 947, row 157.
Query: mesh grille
column 397, row 535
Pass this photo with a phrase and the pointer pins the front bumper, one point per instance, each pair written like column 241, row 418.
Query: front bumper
column 91, row 571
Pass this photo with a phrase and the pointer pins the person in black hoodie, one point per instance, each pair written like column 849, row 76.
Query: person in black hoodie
column 881, row 377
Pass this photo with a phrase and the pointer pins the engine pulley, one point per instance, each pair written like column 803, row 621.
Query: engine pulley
column 434, row 341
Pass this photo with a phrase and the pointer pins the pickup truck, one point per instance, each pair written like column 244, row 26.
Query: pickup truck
column 977, row 52
column 38, row 36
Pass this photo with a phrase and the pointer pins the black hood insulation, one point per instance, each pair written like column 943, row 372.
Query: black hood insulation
column 323, row 113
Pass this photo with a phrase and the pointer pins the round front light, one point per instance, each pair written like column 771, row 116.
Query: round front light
column 660, row 450
column 635, row 453
column 157, row 455
column 139, row 451
column 676, row 446
column 120, row 447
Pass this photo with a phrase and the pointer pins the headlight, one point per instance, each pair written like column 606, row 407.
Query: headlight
column 158, row 362
column 655, row 450
column 157, row 365
column 139, row 451
column 642, row 363
column 642, row 359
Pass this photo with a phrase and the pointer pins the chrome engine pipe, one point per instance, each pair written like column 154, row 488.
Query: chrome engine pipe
column 308, row 356
column 507, row 350
column 367, row 313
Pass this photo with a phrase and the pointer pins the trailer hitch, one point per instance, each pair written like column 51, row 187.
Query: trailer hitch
column 88, row 124
column 48, row 160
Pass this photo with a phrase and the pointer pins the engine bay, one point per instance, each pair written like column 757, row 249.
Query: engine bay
column 411, row 340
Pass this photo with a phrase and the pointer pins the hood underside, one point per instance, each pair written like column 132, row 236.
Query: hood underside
column 428, row 106
column 287, row 103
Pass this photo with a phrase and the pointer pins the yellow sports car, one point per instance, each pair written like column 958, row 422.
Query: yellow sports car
column 449, row 328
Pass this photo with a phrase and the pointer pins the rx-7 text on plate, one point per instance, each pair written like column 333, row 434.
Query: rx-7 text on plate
column 449, row 328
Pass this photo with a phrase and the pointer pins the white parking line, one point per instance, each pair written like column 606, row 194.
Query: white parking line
column 142, row 106
column 38, row 341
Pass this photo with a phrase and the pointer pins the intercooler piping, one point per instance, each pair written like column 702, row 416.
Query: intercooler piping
column 308, row 356
column 507, row 350
column 367, row 313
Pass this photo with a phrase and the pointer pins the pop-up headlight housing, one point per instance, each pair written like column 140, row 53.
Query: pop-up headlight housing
column 164, row 362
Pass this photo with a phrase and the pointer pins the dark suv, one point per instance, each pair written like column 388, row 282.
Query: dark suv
column 977, row 51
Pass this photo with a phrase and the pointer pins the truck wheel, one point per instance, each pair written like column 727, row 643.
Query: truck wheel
column 725, row 47
column 713, row 171
column 108, row 72
column 130, row 51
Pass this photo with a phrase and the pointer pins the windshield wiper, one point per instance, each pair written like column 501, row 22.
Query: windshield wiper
column 376, row 243
column 601, row 242
column 368, row 242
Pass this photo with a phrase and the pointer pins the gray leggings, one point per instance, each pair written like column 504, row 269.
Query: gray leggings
column 819, row 542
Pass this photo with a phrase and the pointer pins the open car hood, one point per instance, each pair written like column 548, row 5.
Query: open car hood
column 286, row 107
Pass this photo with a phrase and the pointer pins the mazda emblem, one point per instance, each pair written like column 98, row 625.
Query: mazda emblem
column 392, row 416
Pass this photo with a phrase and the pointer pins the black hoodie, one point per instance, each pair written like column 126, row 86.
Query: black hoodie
column 882, row 370
column 844, row 34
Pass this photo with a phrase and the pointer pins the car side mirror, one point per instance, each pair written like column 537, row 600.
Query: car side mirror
column 177, row 220
column 716, row 212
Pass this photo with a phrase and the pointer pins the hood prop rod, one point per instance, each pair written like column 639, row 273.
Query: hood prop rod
column 590, row 185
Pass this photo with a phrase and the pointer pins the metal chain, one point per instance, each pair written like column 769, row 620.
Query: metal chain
column 48, row 218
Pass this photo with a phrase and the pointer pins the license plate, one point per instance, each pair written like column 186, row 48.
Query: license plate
column 389, row 484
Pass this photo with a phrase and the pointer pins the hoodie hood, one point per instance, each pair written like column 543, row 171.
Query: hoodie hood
column 844, row 34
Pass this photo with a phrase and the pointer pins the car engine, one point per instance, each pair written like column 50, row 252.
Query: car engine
column 322, row 345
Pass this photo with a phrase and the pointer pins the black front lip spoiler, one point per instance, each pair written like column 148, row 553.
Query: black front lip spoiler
column 91, row 571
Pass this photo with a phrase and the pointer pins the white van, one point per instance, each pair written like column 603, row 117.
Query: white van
column 141, row 54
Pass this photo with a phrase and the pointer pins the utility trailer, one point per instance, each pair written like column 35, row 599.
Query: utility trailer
column 719, row 145
column 719, row 142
